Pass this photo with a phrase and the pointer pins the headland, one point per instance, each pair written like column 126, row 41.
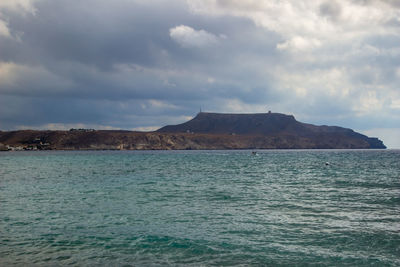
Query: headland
column 204, row 131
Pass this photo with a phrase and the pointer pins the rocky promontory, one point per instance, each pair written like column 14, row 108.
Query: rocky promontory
column 205, row 131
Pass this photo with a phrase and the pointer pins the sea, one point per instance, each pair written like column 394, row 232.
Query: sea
column 200, row 208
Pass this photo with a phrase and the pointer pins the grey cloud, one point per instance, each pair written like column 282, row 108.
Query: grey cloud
column 75, row 47
column 98, row 36
column 331, row 9
column 393, row 3
column 115, row 64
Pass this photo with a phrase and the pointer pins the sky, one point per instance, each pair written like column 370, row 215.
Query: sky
column 143, row 64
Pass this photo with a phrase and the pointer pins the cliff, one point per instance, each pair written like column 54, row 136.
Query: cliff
column 275, row 125
column 205, row 131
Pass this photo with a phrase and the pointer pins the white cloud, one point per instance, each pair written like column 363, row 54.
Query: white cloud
column 189, row 37
column 18, row 79
column 8, row 73
column 332, row 82
column 235, row 105
column 210, row 80
column 22, row 7
column 395, row 104
column 298, row 43
column 398, row 72
column 308, row 24
column 146, row 128
column 369, row 103
column 4, row 29
column 158, row 104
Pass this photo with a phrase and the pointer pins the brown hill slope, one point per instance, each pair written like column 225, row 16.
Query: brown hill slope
column 268, row 124
column 205, row 131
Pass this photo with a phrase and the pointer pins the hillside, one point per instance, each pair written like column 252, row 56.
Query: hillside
column 271, row 124
column 205, row 131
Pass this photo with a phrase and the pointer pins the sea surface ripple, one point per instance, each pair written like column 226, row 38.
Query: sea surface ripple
column 191, row 208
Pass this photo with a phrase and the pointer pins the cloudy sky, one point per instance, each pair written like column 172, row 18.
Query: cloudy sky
column 141, row 64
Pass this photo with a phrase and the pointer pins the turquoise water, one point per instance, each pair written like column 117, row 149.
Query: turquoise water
column 158, row 208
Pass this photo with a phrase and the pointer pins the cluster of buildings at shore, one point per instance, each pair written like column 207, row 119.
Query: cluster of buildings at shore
column 24, row 147
column 36, row 145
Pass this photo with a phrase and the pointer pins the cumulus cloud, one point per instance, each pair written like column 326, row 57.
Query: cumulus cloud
column 298, row 44
column 4, row 29
column 189, row 37
column 25, row 80
column 22, row 7
column 309, row 24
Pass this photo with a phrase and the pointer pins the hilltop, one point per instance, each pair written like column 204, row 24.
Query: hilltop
column 274, row 125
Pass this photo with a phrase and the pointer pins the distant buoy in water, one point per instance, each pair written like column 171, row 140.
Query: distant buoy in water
column 327, row 163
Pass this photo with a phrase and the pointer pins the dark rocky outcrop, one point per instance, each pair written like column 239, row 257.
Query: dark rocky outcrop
column 249, row 124
column 275, row 125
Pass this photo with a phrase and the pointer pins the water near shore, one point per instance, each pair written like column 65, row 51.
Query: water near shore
column 200, row 208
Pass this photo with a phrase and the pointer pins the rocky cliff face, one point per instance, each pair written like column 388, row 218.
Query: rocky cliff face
column 205, row 131
column 275, row 125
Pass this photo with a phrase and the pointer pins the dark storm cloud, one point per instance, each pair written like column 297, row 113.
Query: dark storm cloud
column 128, row 64
column 84, row 44
column 71, row 58
column 92, row 33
